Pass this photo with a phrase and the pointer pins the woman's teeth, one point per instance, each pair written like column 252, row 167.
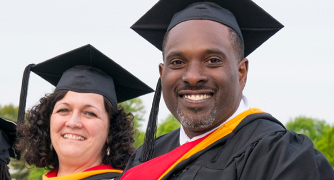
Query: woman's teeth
column 73, row 137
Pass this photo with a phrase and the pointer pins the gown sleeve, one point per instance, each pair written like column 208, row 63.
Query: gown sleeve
column 284, row 155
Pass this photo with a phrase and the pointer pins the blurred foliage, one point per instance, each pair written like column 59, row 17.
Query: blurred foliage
column 321, row 134
column 167, row 125
column 326, row 145
column 136, row 107
column 139, row 138
column 9, row 112
column 315, row 129
column 37, row 173
column 18, row 169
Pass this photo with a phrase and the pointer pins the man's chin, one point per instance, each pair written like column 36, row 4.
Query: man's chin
column 196, row 121
column 196, row 126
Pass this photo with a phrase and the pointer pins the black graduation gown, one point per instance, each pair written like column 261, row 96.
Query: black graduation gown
column 259, row 148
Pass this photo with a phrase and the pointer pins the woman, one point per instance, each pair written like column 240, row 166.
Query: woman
column 78, row 132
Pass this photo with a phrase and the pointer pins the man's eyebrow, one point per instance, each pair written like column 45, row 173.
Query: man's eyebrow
column 174, row 53
column 206, row 51
column 215, row 51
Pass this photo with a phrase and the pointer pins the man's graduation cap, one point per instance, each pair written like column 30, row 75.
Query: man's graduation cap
column 85, row 70
column 253, row 25
column 256, row 25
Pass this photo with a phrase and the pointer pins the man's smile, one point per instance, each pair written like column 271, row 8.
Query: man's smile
column 197, row 97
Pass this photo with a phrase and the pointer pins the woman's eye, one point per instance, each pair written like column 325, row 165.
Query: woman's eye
column 91, row 114
column 62, row 110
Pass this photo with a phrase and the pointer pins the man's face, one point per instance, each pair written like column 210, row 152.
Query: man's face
column 202, row 79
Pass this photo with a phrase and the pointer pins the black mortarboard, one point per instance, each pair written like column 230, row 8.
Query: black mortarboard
column 253, row 25
column 7, row 140
column 86, row 70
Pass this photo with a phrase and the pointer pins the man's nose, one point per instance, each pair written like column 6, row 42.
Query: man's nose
column 74, row 121
column 194, row 74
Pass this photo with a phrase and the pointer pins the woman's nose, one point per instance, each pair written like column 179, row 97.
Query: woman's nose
column 74, row 121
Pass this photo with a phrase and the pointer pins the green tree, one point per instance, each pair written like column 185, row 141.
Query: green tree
column 20, row 171
column 326, row 145
column 167, row 125
column 37, row 173
column 311, row 127
column 9, row 112
column 321, row 134
column 139, row 138
column 136, row 107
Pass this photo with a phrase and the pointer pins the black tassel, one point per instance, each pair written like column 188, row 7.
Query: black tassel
column 148, row 146
column 23, row 95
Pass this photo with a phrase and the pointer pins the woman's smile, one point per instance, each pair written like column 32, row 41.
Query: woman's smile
column 74, row 137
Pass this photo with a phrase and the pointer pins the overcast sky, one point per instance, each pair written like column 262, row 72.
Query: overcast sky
column 289, row 75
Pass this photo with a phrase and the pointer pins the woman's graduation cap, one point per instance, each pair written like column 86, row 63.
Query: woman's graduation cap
column 85, row 70
column 253, row 25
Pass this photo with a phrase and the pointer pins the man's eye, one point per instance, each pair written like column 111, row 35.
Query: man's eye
column 176, row 62
column 214, row 60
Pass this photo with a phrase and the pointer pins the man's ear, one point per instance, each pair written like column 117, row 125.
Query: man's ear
column 161, row 69
column 243, row 70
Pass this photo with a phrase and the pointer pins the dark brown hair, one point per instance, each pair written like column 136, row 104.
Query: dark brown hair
column 34, row 141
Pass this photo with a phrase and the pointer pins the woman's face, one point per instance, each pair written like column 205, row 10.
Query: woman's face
column 79, row 128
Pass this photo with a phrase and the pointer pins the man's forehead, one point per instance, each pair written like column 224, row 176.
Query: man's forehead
column 201, row 37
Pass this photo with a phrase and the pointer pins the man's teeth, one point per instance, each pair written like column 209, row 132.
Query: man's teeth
column 70, row 136
column 197, row 97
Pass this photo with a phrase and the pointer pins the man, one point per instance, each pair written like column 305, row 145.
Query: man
column 203, row 74
column 7, row 141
